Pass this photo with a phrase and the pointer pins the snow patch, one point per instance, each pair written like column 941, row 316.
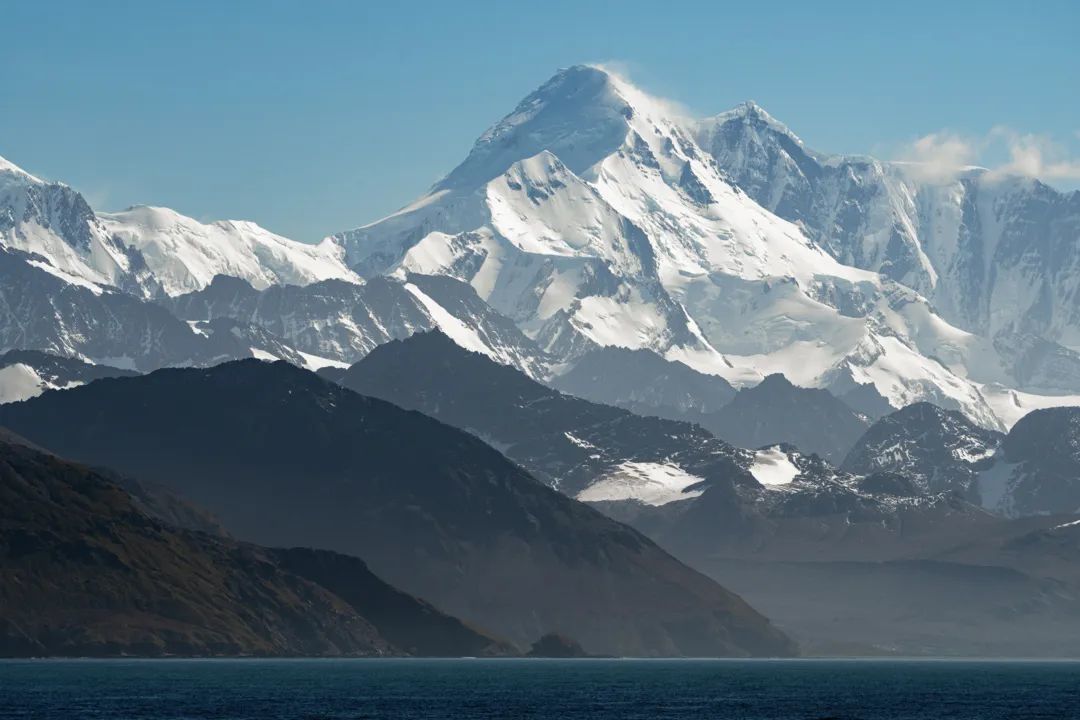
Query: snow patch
column 772, row 467
column 1011, row 405
column 583, row 444
column 646, row 482
column 994, row 486
column 67, row 277
column 22, row 382
column 454, row 328
column 315, row 362
column 19, row 382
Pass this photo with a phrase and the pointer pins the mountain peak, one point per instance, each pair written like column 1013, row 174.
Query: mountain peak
column 750, row 107
column 575, row 77
column 585, row 83
column 751, row 114
column 923, row 410
column 581, row 115
column 775, row 381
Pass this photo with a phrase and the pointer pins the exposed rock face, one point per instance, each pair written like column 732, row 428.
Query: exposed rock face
column 344, row 321
column 46, row 312
column 54, row 223
column 776, row 411
column 1032, row 470
column 936, row 450
column 1038, row 470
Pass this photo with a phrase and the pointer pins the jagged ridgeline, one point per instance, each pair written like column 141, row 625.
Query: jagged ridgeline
column 594, row 216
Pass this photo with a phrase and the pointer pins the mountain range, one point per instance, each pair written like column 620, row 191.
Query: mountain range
column 284, row 458
column 622, row 346
column 594, row 216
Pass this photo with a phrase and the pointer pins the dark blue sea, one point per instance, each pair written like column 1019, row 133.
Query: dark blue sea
column 560, row 689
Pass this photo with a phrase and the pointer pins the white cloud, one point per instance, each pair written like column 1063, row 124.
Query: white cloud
column 940, row 156
column 1035, row 156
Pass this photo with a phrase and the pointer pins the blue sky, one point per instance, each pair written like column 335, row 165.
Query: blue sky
column 315, row 117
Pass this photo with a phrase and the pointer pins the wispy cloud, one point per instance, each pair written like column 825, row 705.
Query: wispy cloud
column 1036, row 156
column 939, row 157
column 942, row 155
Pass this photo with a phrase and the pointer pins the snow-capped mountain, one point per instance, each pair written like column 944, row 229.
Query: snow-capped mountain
column 591, row 215
column 149, row 251
column 103, row 267
column 594, row 216
column 184, row 255
column 991, row 252
column 56, row 225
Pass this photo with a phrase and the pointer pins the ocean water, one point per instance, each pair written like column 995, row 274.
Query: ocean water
column 562, row 689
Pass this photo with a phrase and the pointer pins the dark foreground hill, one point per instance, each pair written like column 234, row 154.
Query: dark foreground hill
column 283, row 457
column 84, row 570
